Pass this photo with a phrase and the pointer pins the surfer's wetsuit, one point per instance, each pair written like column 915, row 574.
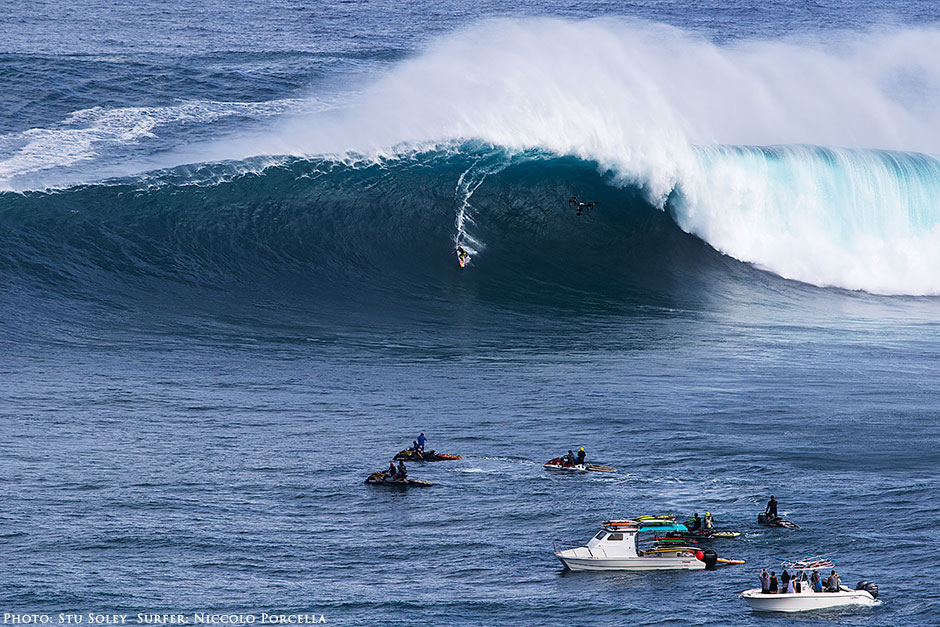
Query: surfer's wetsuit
column 772, row 508
column 581, row 456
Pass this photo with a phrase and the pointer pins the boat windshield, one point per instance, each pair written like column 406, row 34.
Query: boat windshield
column 600, row 535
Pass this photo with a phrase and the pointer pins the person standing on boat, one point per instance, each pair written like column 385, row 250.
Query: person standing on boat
column 764, row 580
column 784, row 579
column 581, row 455
column 816, row 581
column 773, row 583
column 791, row 588
column 421, row 442
column 772, row 508
column 833, row 585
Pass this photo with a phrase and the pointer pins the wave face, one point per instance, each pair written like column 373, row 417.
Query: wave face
column 323, row 231
column 811, row 161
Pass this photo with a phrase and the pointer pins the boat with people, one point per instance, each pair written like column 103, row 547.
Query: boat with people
column 637, row 545
column 413, row 455
column 560, row 463
column 575, row 463
column 383, row 478
column 768, row 520
column 809, row 591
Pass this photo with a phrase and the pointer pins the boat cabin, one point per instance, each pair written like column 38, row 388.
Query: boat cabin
column 624, row 537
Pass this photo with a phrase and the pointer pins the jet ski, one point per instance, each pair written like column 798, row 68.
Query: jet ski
column 382, row 478
column 411, row 455
column 775, row 521
column 708, row 533
column 559, row 463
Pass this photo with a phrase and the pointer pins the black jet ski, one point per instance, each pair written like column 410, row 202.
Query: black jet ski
column 411, row 455
column 382, row 478
column 775, row 521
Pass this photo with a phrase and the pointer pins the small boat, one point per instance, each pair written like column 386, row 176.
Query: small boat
column 776, row 521
column 561, row 464
column 411, row 455
column 382, row 478
column 617, row 547
column 865, row 593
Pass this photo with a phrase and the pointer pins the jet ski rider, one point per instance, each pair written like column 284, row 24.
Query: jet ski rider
column 402, row 471
column 581, row 455
column 772, row 508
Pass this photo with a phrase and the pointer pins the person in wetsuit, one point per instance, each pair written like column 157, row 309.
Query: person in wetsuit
column 391, row 469
column 461, row 254
column 696, row 523
column 569, row 458
column 581, row 455
column 772, row 508
column 402, row 471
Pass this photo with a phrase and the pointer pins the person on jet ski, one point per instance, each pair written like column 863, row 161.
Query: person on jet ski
column 391, row 469
column 569, row 458
column 709, row 521
column 771, row 508
column 696, row 523
column 421, row 442
column 402, row 471
column 581, row 455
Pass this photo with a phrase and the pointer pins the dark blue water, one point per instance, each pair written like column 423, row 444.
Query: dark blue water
column 227, row 295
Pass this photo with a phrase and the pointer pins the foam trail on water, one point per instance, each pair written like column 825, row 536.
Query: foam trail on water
column 469, row 181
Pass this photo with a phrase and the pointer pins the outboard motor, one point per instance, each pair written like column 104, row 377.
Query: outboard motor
column 868, row 586
column 708, row 556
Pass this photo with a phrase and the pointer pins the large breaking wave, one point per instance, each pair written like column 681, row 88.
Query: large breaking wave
column 810, row 161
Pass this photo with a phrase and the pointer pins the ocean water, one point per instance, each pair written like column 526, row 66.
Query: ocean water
column 228, row 294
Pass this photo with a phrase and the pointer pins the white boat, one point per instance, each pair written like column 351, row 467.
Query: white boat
column 615, row 547
column 865, row 593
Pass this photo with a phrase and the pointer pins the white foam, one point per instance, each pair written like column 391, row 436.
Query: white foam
column 86, row 134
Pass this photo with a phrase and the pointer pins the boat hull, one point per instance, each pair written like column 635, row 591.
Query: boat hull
column 805, row 601
column 581, row 562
